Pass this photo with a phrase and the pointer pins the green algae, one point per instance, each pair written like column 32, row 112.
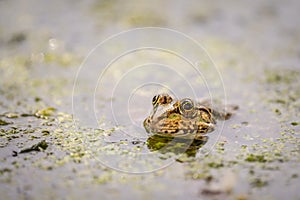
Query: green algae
column 45, row 113
column 283, row 92
column 17, row 38
column 4, row 123
column 255, row 158
column 128, row 17
column 145, row 19
column 65, row 59
column 295, row 123
column 103, row 178
column 281, row 76
column 40, row 146
column 259, row 183
column 71, row 143
column 5, row 170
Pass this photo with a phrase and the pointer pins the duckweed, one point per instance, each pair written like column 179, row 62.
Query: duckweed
column 295, row 123
column 36, row 147
column 255, row 158
column 258, row 182
column 4, row 123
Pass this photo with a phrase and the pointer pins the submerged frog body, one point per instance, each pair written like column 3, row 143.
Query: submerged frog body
column 182, row 118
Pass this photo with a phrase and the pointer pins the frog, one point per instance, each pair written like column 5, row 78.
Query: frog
column 184, row 118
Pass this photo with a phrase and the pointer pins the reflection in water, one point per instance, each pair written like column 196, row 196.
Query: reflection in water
column 175, row 145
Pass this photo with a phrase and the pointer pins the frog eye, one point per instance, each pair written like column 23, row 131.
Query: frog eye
column 155, row 100
column 186, row 108
column 186, row 105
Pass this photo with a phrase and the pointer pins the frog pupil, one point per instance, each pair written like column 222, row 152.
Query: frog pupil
column 187, row 106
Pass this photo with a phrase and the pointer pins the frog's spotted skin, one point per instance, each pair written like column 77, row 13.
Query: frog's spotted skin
column 181, row 118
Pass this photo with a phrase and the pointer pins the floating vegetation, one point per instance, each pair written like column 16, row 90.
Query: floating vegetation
column 45, row 113
column 17, row 38
column 283, row 92
column 258, row 182
column 36, row 147
column 295, row 123
column 4, row 123
column 255, row 158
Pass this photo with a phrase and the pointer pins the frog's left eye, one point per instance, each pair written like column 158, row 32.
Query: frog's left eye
column 186, row 108
column 155, row 99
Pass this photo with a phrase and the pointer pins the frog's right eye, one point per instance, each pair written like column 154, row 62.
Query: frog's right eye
column 186, row 108
column 186, row 105
column 155, row 100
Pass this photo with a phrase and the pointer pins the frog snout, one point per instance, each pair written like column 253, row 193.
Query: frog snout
column 211, row 127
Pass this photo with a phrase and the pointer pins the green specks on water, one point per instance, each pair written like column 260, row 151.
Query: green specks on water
column 283, row 93
column 235, row 126
column 145, row 19
column 64, row 59
column 294, row 176
column 4, row 123
column 17, row 38
column 202, row 175
column 127, row 17
column 45, row 132
column 103, row 178
column 11, row 115
column 258, row 183
column 216, row 164
column 45, row 113
column 40, row 146
column 221, row 147
column 5, row 170
column 255, row 158
column 295, row 123
column 277, row 111
column 281, row 76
